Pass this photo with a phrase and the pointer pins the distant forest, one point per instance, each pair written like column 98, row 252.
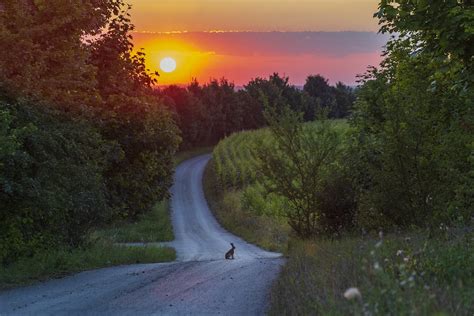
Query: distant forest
column 207, row 113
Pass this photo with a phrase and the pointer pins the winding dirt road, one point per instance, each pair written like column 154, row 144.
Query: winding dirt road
column 200, row 282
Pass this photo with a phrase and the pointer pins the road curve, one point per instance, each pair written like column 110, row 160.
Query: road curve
column 200, row 282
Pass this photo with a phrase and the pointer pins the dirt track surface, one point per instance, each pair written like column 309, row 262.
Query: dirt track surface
column 201, row 282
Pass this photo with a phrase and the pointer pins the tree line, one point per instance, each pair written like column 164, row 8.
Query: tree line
column 207, row 113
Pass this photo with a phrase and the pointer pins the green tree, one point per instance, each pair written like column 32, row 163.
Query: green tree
column 414, row 118
column 344, row 100
column 296, row 165
column 52, row 188
column 44, row 54
column 276, row 89
column 320, row 93
column 133, row 118
column 444, row 29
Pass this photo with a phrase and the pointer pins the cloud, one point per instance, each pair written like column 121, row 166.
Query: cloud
column 336, row 44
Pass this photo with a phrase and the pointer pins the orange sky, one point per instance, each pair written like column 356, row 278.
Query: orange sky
column 254, row 15
column 245, row 46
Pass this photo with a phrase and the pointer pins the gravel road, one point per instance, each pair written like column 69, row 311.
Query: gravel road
column 200, row 282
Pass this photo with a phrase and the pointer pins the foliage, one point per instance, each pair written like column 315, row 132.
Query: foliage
column 133, row 118
column 319, row 95
column 407, row 274
column 52, row 183
column 43, row 54
column 414, row 120
column 443, row 29
column 295, row 165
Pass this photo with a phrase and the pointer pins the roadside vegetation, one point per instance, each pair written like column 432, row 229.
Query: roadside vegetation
column 61, row 262
column 412, row 270
column 267, row 231
column 407, row 273
column 102, row 246
column 84, row 140
column 380, row 208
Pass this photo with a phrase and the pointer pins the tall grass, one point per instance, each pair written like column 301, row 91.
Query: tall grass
column 267, row 231
column 408, row 274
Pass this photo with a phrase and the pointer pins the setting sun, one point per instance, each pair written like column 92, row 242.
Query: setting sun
column 168, row 64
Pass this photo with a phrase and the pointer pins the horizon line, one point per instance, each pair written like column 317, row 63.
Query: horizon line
column 243, row 31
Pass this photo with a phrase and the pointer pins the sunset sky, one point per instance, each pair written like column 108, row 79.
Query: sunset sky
column 244, row 39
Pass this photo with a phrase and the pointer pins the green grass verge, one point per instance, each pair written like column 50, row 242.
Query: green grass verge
column 188, row 154
column 409, row 275
column 154, row 226
column 265, row 231
column 102, row 251
column 59, row 263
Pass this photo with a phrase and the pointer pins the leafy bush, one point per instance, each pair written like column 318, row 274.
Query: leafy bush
column 337, row 202
column 52, row 185
column 411, row 146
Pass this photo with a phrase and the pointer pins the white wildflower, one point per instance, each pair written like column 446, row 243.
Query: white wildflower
column 376, row 266
column 399, row 253
column 352, row 293
column 406, row 259
column 377, row 245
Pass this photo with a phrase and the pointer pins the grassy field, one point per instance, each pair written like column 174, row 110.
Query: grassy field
column 408, row 273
